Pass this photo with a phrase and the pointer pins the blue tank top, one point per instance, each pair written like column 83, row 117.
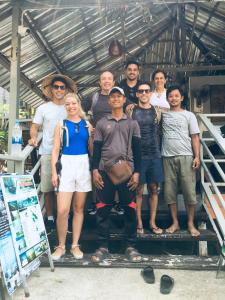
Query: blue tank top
column 78, row 138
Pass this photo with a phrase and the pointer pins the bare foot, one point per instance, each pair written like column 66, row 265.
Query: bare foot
column 173, row 228
column 193, row 231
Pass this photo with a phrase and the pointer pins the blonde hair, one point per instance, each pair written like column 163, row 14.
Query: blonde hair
column 82, row 114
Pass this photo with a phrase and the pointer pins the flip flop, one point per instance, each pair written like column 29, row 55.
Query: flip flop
column 133, row 255
column 156, row 230
column 140, row 230
column 166, row 284
column 148, row 274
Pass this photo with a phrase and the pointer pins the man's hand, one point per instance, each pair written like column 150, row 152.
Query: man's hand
column 129, row 108
column 97, row 179
column 133, row 183
column 196, row 163
column 33, row 142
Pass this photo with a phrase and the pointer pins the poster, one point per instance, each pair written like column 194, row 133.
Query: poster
column 9, row 265
column 25, row 227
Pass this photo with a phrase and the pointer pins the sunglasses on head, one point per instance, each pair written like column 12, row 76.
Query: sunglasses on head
column 59, row 87
column 144, row 91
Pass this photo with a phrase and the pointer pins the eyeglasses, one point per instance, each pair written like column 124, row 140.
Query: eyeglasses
column 147, row 91
column 77, row 128
column 59, row 87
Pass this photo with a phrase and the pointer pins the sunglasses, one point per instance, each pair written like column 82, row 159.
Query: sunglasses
column 77, row 128
column 147, row 91
column 59, row 87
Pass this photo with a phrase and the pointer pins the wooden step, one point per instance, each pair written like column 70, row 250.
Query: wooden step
column 183, row 262
column 181, row 235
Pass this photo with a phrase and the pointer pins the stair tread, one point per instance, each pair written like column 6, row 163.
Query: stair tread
column 184, row 262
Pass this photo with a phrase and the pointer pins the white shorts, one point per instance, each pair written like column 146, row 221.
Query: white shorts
column 75, row 174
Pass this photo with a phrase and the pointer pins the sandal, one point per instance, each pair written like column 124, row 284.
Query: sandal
column 148, row 274
column 166, row 284
column 140, row 230
column 58, row 253
column 99, row 255
column 156, row 230
column 133, row 255
column 76, row 256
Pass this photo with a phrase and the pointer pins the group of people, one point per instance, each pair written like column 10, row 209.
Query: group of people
column 148, row 129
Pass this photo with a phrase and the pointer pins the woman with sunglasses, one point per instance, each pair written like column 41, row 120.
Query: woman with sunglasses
column 158, row 97
column 75, row 179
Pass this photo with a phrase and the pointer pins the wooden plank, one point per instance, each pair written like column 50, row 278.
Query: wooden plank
column 182, row 235
column 215, row 198
column 182, row 262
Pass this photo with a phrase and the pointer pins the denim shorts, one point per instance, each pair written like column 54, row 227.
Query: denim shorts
column 151, row 171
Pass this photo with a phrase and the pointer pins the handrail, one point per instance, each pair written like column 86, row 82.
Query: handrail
column 214, row 133
column 209, row 185
column 23, row 154
column 18, row 160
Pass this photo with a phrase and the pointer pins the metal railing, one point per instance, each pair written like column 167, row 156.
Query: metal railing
column 213, row 163
column 16, row 164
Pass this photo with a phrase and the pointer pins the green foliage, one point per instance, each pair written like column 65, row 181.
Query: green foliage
column 3, row 141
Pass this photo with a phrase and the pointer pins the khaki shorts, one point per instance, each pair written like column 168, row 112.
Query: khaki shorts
column 179, row 174
column 46, row 174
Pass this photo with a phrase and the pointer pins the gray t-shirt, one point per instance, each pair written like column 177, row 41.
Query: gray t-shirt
column 116, row 137
column 177, row 128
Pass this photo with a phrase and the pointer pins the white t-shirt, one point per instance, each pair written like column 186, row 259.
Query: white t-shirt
column 177, row 128
column 159, row 100
column 48, row 115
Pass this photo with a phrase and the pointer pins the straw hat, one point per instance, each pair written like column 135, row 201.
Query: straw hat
column 46, row 84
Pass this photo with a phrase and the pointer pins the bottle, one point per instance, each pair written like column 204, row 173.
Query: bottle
column 16, row 146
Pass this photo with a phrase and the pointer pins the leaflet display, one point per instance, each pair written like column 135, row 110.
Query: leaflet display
column 22, row 223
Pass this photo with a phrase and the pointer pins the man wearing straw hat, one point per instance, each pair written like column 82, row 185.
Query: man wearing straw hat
column 47, row 115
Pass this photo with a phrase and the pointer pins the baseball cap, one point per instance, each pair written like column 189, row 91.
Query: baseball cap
column 116, row 89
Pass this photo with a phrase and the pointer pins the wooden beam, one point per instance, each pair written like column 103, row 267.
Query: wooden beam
column 183, row 33
column 29, row 83
column 86, row 29
column 207, row 9
column 97, row 3
column 166, row 66
column 209, row 18
column 214, row 36
column 43, row 43
column 204, row 50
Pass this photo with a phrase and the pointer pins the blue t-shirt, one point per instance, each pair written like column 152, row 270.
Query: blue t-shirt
column 78, row 138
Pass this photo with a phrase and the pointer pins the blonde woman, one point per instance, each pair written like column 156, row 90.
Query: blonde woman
column 75, row 179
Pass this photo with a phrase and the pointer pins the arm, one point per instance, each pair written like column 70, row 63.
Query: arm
column 97, row 178
column 55, row 154
column 136, row 149
column 196, row 150
column 33, row 134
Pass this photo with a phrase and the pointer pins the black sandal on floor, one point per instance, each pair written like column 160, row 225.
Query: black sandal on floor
column 99, row 255
column 133, row 255
column 148, row 274
column 166, row 284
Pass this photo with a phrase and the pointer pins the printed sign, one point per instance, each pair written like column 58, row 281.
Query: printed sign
column 24, row 225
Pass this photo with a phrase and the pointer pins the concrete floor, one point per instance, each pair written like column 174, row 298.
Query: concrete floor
column 116, row 284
